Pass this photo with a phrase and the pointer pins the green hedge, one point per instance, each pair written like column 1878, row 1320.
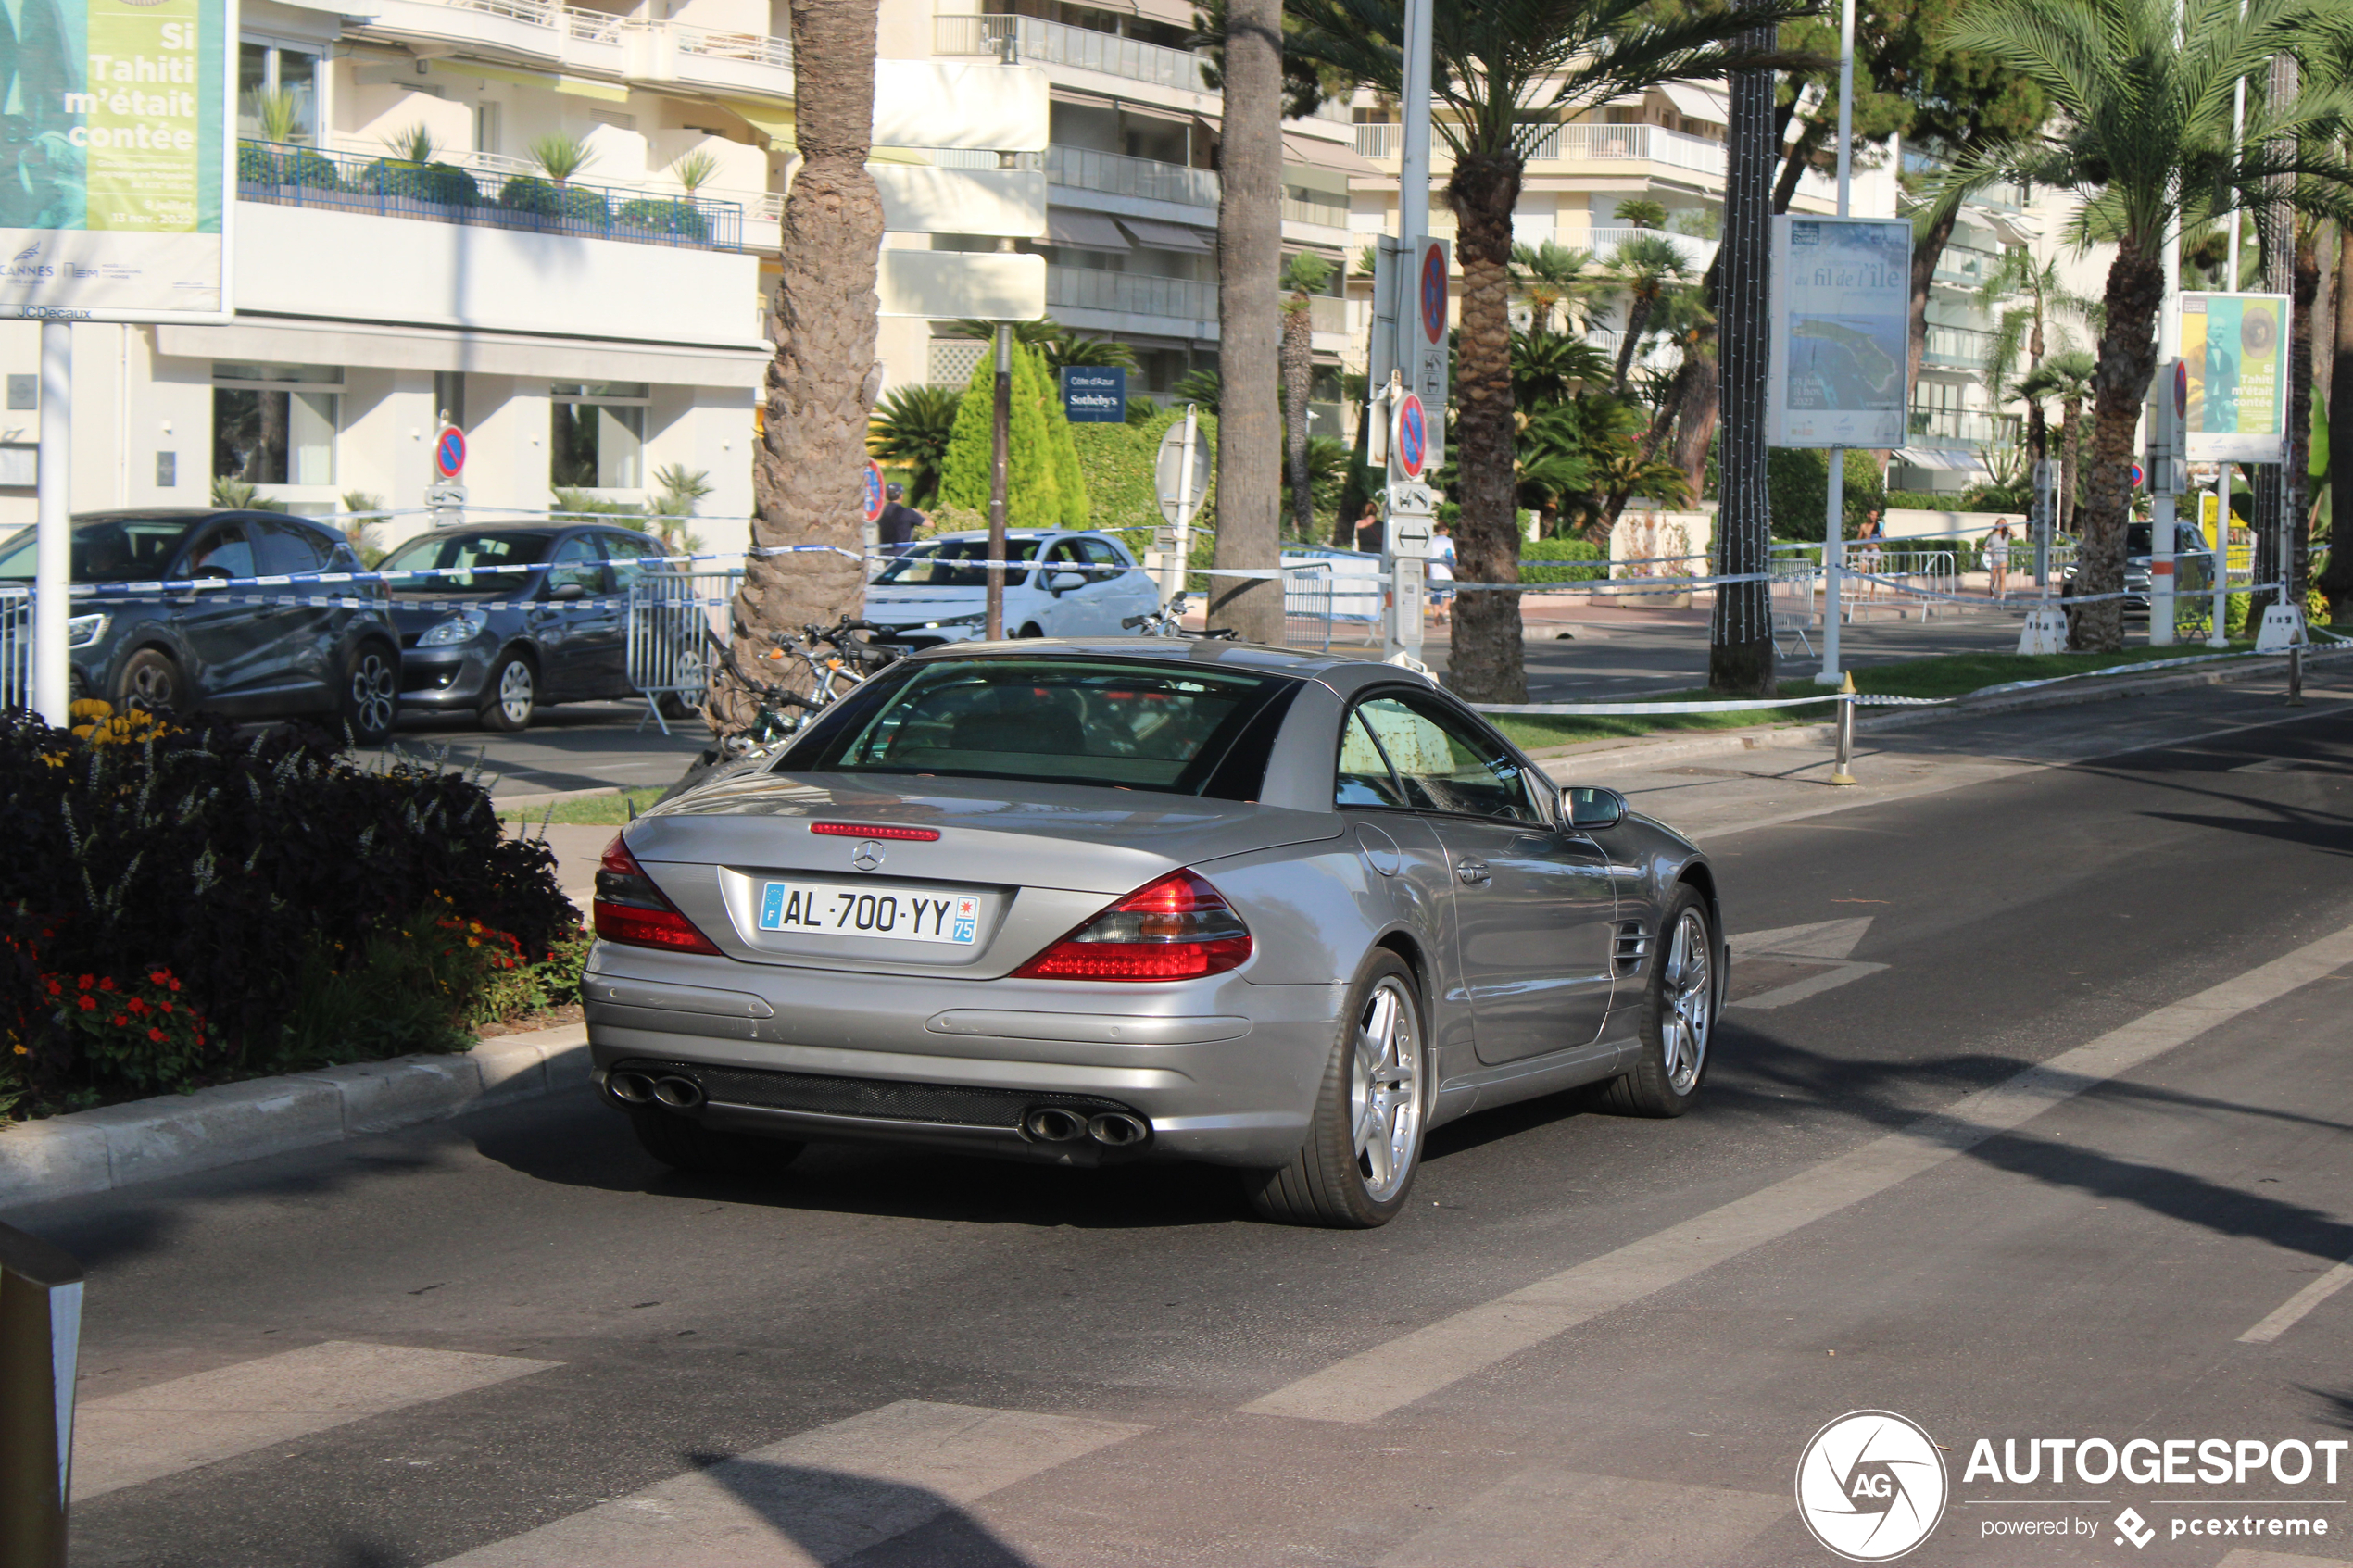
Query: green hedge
column 1562, row 560
column 1117, row 463
column 1797, row 482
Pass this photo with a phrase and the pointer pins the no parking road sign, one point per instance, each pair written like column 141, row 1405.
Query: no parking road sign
column 1412, row 445
column 450, row 452
column 874, row 492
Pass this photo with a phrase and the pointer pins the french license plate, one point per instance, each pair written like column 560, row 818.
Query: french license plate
column 904, row 914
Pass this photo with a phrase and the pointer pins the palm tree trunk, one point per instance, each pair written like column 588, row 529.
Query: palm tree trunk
column 1486, row 663
column 1250, row 247
column 2276, row 484
column 1299, row 366
column 1740, row 632
column 2299, row 409
column 2128, row 357
column 809, row 469
column 2070, row 458
column 2336, row 581
column 1638, row 315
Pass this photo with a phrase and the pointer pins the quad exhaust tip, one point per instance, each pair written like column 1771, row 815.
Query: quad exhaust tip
column 630, row 1088
column 677, row 1092
column 1113, row 1129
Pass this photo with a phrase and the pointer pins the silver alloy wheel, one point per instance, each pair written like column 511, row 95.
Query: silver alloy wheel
column 1385, row 1089
column 515, row 692
column 373, row 698
column 152, row 685
column 1691, row 1003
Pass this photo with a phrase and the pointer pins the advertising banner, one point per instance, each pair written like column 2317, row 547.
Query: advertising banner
column 1095, row 394
column 1841, row 325
column 2234, row 351
column 114, row 178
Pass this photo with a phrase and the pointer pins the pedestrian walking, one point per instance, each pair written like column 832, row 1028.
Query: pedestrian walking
column 1867, row 556
column 1438, row 570
column 898, row 522
column 1998, row 556
column 1370, row 530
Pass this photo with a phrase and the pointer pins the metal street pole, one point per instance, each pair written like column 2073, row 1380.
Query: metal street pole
column 1834, row 524
column 1000, row 432
column 1413, row 173
column 1185, row 503
column 40, row 1336
column 2217, row 634
column 53, row 547
column 2168, row 348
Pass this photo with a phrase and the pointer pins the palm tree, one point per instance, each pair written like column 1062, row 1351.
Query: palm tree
column 561, row 157
column 1304, row 276
column 1644, row 266
column 2142, row 134
column 1206, row 388
column 912, row 427
column 1070, row 348
column 1505, row 72
column 1638, row 213
column 2065, row 378
column 694, row 170
column 1555, row 277
column 809, row 466
column 1548, row 367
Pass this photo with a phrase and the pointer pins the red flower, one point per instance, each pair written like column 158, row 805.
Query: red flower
column 155, row 1035
column 54, row 986
column 161, row 977
column 88, row 1005
column 85, row 982
column 107, row 984
column 135, row 1005
column 118, row 1020
column 173, row 983
column 167, row 1006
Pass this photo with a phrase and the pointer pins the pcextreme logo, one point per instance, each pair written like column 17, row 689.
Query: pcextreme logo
column 1870, row 1486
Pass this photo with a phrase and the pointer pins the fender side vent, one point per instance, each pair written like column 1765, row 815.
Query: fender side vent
column 1633, row 945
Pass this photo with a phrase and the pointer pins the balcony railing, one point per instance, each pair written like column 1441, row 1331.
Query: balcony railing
column 285, row 175
column 1327, row 314
column 1118, row 175
column 584, row 26
column 1971, row 427
column 750, row 46
column 1957, row 346
column 1380, row 138
column 1581, row 144
column 1604, row 242
column 1059, row 43
column 1133, row 293
column 1332, row 214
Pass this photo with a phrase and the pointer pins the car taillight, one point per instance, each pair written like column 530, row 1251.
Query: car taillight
column 1177, row 928
column 630, row 908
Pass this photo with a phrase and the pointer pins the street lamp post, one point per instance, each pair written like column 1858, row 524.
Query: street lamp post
column 1834, row 523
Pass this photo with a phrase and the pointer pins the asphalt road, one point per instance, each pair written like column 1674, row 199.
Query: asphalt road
column 2053, row 1122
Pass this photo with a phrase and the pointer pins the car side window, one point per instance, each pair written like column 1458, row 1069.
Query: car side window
column 1098, row 552
column 625, row 550
column 1362, row 778
column 227, row 551
column 1447, row 765
column 579, row 563
column 289, row 547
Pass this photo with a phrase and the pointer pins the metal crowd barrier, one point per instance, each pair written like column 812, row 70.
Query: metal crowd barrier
column 672, row 616
column 40, row 1340
column 16, row 647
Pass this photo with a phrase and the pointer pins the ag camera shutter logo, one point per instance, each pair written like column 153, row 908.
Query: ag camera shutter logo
column 1870, row 1486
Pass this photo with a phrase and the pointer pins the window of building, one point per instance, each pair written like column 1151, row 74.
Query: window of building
column 269, row 73
column 599, row 434
column 486, row 128
column 275, row 424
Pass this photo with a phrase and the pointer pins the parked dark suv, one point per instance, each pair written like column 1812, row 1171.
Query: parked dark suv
column 317, row 649
column 527, row 615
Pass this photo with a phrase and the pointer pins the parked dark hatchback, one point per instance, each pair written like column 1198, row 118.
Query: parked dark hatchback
column 531, row 615
column 306, row 649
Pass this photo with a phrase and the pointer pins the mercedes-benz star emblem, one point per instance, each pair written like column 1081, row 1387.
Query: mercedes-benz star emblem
column 867, row 856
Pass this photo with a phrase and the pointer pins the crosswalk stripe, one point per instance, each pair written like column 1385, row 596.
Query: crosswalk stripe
column 1565, row 1518
column 1372, row 1382
column 123, row 1439
column 815, row 1498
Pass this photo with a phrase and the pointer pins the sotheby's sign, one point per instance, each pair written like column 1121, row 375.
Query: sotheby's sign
column 1095, row 395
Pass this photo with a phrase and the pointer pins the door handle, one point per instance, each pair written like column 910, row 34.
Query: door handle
column 1473, row 872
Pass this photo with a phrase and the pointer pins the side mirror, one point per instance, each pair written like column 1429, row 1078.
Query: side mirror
column 567, row 592
column 1063, row 582
column 1594, row 808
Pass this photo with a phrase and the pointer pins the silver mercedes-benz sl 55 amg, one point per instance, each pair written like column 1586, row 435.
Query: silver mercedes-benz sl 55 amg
column 1144, row 899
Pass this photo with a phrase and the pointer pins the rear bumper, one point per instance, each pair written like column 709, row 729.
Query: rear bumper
column 1223, row 1071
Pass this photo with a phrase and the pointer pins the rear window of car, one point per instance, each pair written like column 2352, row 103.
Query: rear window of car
column 118, row 549
column 475, row 557
column 1175, row 729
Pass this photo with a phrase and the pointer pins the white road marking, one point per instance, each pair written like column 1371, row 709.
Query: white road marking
column 816, row 1498
column 123, row 1439
column 2293, row 1310
column 1369, row 1385
column 1829, row 943
column 1559, row 1519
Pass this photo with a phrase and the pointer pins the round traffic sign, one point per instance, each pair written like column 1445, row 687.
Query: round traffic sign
column 1434, row 293
column 2139, row 478
column 874, row 492
column 1413, row 436
column 450, row 452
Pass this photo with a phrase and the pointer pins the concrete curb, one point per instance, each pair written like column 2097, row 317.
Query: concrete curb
column 176, row 1135
column 1643, row 753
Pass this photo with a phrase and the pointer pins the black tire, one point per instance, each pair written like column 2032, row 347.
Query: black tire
column 703, row 1151
column 673, row 707
column 370, row 700
column 511, row 696
column 1655, row 1087
column 1329, row 1183
column 150, row 682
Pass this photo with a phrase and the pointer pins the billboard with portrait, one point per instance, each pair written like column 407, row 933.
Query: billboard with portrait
column 114, row 172
column 2235, row 352
column 1841, row 325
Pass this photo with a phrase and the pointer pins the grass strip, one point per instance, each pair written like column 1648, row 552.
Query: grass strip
column 595, row 811
column 1955, row 674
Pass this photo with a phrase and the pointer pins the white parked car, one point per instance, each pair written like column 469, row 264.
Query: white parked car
column 1061, row 585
